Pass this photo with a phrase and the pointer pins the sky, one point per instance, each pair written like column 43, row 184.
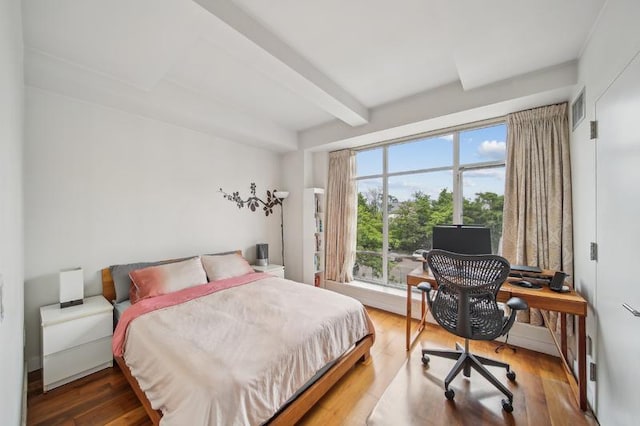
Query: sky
column 476, row 146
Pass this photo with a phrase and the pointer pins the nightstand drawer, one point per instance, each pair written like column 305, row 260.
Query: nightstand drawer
column 66, row 364
column 65, row 335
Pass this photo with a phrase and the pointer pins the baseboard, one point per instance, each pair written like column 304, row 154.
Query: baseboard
column 25, row 386
column 395, row 300
column 34, row 363
column 591, row 385
column 535, row 338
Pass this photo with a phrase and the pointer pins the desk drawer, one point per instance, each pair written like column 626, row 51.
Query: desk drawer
column 65, row 364
column 65, row 335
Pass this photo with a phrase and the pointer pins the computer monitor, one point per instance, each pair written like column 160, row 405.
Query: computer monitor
column 465, row 239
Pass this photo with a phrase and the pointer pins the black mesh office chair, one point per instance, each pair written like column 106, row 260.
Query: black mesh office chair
column 465, row 305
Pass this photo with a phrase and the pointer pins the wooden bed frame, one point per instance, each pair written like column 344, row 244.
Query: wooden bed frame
column 292, row 412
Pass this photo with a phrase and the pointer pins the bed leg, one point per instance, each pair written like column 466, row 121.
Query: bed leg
column 365, row 357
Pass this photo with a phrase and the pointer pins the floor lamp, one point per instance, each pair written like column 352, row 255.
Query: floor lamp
column 281, row 195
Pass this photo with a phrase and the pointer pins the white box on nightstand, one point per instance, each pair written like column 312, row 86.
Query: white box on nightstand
column 76, row 341
column 272, row 269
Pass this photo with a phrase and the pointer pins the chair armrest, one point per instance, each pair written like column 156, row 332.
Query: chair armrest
column 517, row 304
column 425, row 286
column 426, row 289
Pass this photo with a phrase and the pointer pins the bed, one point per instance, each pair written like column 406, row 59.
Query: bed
column 254, row 349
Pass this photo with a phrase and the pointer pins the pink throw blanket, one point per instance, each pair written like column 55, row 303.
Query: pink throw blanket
column 175, row 298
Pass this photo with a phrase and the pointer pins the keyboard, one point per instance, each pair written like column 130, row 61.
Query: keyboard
column 525, row 268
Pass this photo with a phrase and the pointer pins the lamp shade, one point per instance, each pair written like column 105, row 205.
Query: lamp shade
column 281, row 194
column 262, row 254
column 71, row 287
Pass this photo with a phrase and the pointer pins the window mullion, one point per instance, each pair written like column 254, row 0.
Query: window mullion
column 385, row 216
column 457, row 180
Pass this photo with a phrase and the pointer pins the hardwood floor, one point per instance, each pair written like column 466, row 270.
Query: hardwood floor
column 104, row 398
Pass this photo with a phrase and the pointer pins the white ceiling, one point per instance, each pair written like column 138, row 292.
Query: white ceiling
column 260, row 72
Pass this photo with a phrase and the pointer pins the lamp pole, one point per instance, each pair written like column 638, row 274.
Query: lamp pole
column 281, row 195
column 282, row 228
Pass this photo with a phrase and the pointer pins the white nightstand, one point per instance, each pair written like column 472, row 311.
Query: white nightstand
column 76, row 341
column 272, row 269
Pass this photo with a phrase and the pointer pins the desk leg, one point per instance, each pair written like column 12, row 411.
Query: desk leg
column 582, row 361
column 408, row 317
column 563, row 334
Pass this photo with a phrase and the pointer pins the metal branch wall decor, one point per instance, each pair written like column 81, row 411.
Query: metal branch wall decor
column 253, row 202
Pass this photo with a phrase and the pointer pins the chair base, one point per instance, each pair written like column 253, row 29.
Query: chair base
column 506, row 344
column 465, row 362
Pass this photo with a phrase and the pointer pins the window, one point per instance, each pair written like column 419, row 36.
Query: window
column 405, row 188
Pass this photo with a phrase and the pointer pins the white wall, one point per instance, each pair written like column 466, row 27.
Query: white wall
column 11, row 229
column 321, row 169
column 103, row 186
column 613, row 43
column 296, row 175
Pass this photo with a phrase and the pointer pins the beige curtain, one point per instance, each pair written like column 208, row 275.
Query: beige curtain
column 341, row 216
column 537, row 224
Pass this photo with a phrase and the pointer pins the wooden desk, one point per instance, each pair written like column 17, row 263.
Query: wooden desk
column 571, row 303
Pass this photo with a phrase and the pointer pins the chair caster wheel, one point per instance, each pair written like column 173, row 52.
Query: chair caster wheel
column 449, row 393
column 511, row 375
column 506, row 406
column 425, row 359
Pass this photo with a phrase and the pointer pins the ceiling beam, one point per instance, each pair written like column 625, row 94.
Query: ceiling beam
column 300, row 75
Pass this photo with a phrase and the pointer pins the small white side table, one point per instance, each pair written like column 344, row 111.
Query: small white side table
column 76, row 341
column 272, row 269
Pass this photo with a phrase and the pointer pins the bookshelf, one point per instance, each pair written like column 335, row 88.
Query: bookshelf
column 313, row 240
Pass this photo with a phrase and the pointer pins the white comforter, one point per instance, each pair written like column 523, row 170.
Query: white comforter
column 236, row 356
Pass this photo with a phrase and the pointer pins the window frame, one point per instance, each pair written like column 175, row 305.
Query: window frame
column 456, row 169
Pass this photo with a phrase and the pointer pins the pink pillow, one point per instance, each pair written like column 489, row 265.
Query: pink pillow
column 223, row 266
column 163, row 279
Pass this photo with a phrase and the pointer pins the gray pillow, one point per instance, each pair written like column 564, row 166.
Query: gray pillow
column 121, row 280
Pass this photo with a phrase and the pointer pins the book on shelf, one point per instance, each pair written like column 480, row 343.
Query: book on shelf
column 316, row 280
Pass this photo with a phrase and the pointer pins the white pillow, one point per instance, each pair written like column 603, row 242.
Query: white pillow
column 219, row 267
